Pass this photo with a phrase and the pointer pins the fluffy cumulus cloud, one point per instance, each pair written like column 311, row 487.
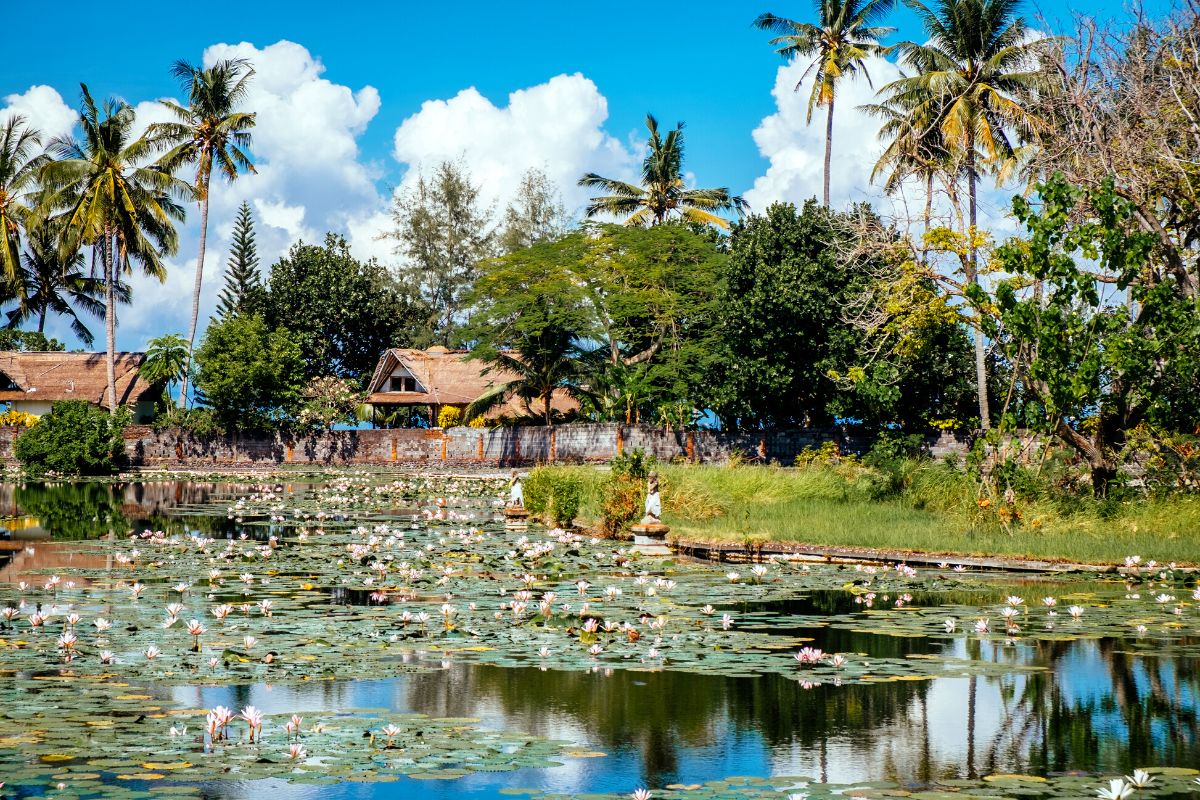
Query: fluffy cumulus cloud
column 556, row 126
column 795, row 149
column 43, row 108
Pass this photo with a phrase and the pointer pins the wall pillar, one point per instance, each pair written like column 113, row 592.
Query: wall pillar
column 553, row 445
column 620, row 439
column 479, row 449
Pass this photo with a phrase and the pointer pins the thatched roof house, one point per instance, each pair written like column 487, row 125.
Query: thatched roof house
column 32, row 382
column 439, row 377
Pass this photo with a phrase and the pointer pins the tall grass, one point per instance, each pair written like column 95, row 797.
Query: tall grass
column 910, row 506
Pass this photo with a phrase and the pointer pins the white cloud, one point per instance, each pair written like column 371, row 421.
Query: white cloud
column 43, row 108
column 796, row 149
column 556, row 126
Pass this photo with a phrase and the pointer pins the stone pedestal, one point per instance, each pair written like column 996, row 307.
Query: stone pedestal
column 516, row 517
column 650, row 538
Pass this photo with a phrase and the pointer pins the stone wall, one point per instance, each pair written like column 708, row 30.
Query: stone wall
column 486, row 448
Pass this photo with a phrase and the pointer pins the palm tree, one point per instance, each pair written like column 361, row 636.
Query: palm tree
column 845, row 34
column 166, row 361
column 208, row 130
column 972, row 83
column 18, row 174
column 662, row 191
column 110, row 200
column 544, row 362
column 55, row 282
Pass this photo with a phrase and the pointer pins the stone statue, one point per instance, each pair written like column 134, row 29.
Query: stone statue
column 653, row 501
column 516, row 492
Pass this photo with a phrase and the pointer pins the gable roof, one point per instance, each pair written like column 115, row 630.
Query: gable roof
column 49, row 377
column 448, row 378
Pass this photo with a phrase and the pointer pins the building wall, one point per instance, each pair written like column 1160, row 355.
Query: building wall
column 464, row 446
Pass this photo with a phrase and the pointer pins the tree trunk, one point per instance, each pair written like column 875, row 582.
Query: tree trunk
column 973, row 279
column 187, row 361
column 42, row 320
column 110, row 323
column 549, row 410
column 828, row 148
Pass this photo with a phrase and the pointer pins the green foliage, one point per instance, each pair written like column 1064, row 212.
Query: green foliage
column 75, row 438
column 197, row 421
column 623, row 494
column 243, row 292
column 1107, row 339
column 29, row 341
column 555, row 494
column 249, row 375
column 73, row 511
column 780, row 318
column 634, row 464
column 166, row 359
column 342, row 311
column 442, row 232
column 329, row 401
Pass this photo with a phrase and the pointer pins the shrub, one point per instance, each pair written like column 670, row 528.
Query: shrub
column 554, row 494
column 450, row 417
column 75, row 438
column 623, row 493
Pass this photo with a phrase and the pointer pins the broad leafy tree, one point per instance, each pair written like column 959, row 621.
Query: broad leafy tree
column 344, row 312
column 249, row 374
column 836, row 44
column 111, row 199
column 662, row 193
column 209, row 131
column 1104, row 333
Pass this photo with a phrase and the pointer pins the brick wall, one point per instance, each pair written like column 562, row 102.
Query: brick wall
column 470, row 446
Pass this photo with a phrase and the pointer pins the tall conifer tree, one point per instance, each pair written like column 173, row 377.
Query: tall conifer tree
column 243, row 282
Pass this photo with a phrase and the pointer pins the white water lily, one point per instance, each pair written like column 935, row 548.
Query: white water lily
column 1140, row 778
column 1117, row 789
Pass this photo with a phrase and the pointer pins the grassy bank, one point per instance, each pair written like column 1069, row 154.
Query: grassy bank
column 923, row 507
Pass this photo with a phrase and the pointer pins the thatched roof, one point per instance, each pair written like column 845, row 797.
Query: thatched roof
column 49, row 377
column 446, row 377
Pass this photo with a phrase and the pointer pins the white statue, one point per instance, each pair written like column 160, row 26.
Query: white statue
column 516, row 492
column 653, row 501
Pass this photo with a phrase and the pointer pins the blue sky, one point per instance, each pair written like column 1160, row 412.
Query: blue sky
column 370, row 70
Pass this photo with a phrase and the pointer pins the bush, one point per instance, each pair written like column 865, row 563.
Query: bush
column 450, row 417
column 623, row 494
column 554, row 494
column 75, row 438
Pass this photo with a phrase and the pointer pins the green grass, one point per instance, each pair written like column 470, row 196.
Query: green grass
column 919, row 507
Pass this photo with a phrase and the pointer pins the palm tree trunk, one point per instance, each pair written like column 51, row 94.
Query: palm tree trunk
column 973, row 279
column 42, row 320
column 549, row 418
column 110, row 323
column 828, row 148
column 928, row 216
column 187, row 361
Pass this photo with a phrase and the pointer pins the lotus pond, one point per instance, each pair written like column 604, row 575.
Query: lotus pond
column 379, row 635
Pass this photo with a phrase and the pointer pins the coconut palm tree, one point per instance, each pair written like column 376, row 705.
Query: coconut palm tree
column 18, row 174
column 56, row 282
column 662, row 192
column 166, row 360
column 209, row 130
column 973, row 82
column 109, row 199
column 845, row 33
column 542, row 362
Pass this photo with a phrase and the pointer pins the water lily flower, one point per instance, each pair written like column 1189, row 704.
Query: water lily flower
column 1049, row 602
column 1117, row 789
column 73, row 619
column 982, row 626
column 641, row 794
column 106, row 657
column 152, row 652
column 1140, row 778
column 391, row 732
column 296, row 751
column 759, row 570
column 959, row 568
column 195, row 628
column 726, row 622
column 102, row 624
column 222, row 611
column 1141, row 630
column 810, row 655
column 36, row 619
column 611, row 592
column 732, row 576
column 180, row 731
column 838, row 661
column 591, row 625
column 544, row 652
column 67, row 641
column 254, row 719
column 1014, row 601
column 264, row 606
column 951, row 624
column 595, row 650
column 137, row 590
column 1164, row 598
column 212, row 663
column 249, row 642
column 1075, row 611
column 708, row 611
column 9, row 613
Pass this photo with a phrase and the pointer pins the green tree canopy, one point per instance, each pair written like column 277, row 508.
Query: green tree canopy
column 243, row 291
column 343, row 312
column 250, row 375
